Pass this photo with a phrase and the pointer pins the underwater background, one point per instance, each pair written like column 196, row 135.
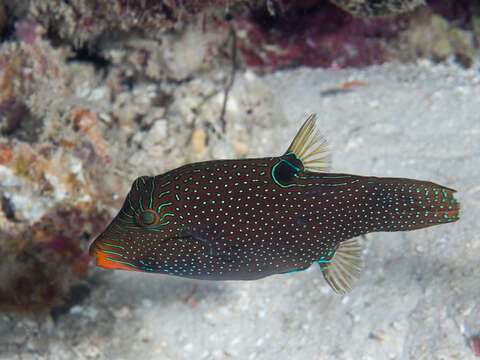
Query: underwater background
column 94, row 94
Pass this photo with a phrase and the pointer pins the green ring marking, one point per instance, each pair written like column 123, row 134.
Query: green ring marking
column 122, row 262
column 162, row 205
column 125, row 214
column 112, row 252
column 163, row 193
column 118, row 246
column 275, row 179
column 127, row 221
column 151, row 193
column 130, row 203
column 164, row 215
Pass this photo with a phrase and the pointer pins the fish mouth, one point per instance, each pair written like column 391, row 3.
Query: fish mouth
column 109, row 256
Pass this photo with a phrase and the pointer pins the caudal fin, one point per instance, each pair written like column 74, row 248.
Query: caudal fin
column 444, row 205
column 407, row 204
column 433, row 204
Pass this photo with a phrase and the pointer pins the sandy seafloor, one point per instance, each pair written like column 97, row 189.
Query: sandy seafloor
column 418, row 296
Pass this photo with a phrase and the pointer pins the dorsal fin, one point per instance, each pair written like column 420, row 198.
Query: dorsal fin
column 310, row 146
column 345, row 266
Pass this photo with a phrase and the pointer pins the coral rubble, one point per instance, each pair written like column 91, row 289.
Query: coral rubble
column 368, row 8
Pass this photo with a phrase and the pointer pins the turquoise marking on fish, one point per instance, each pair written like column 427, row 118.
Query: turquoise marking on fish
column 245, row 219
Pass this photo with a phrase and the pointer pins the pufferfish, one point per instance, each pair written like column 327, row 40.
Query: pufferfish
column 246, row 219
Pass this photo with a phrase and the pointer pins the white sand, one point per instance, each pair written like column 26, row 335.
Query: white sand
column 417, row 297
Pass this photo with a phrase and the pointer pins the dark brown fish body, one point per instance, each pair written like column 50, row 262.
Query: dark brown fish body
column 250, row 218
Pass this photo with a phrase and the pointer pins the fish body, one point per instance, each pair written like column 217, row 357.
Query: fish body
column 246, row 219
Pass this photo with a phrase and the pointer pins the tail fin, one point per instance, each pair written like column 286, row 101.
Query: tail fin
column 408, row 204
column 445, row 204
column 441, row 205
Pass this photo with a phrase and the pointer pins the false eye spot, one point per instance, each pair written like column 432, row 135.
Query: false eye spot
column 284, row 172
column 147, row 218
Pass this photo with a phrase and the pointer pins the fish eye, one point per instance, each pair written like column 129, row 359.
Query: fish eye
column 147, row 218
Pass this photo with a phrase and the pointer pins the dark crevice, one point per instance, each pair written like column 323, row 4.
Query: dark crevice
column 76, row 295
column 8, row 32
column 8, row 209
column 88, row 54
column 54, row 37
column 17, row 121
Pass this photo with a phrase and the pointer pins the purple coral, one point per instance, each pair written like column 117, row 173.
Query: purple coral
column 323, row 36
column 27, row 31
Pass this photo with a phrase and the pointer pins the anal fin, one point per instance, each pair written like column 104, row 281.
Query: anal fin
column 345, row 266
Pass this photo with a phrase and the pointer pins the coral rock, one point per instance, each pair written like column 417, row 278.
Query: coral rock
column 370, row 8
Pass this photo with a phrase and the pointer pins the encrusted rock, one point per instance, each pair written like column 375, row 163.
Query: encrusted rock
column 371, row 8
